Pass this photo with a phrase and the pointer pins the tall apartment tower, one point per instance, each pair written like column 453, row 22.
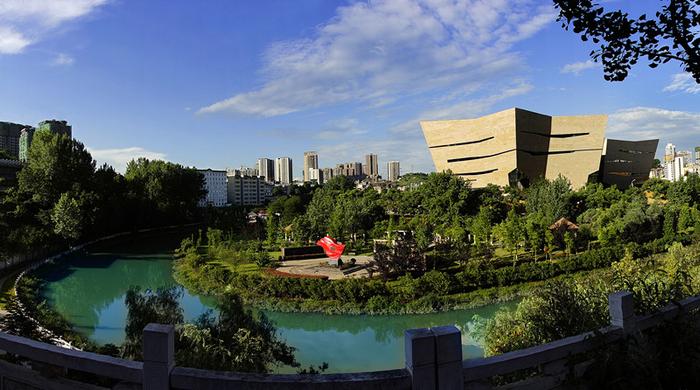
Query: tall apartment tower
column 56, row 127
column 697, row 154
column 9, row 137
column 393, row 171
column 26, row 136
column 266, row 169
column 372, row 163
column 675, row 170
column 310, row 162
column 283, row 170
column 327, row 174
column 669, row 153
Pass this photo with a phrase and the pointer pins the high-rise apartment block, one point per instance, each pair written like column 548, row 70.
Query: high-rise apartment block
column 372, row 163
column 310, row 162
column 393, row 171
column 352, row 169
column 266, row 169
column 56, row 127
column 327, row 174
column 316, row 175
column 669, row 153
column 697, row 154
column 248, row 190
column 26, row 136
column 9, row 137
column 675, row 170
column 283, row 171
column 215, row 185
column 515, row 147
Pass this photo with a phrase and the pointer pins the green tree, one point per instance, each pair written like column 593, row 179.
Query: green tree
column 549, row 198
column 511, row 233
column 67, row 217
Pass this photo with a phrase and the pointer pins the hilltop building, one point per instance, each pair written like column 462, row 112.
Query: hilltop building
column 393, row 171
column 310, row 162
column 56, row 127
column 516, row 146
column 215, row 185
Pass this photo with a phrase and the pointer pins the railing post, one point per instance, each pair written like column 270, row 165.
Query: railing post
column 621, row 308
column 420, row 358
column 448, row 352
column 158, row 356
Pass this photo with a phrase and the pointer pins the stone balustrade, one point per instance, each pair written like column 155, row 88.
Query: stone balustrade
column 433, row 360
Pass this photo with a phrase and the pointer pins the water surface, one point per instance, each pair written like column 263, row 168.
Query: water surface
column 88, row 289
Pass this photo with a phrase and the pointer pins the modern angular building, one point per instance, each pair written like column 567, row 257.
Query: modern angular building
column 516, row 146
column 625, row 163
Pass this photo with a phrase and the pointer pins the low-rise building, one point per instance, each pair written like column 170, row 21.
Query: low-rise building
column 215, row 185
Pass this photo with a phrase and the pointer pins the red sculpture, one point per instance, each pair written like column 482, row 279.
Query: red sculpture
column 333, row 248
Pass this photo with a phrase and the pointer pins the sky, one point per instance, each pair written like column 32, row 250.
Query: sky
column 219, row 83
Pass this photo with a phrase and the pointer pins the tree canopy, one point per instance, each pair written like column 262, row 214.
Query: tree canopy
column 673, row 34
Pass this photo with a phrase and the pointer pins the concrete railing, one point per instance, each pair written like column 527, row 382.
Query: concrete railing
column 433, row 360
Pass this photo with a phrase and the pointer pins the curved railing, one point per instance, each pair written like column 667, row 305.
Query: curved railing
column 433, row 361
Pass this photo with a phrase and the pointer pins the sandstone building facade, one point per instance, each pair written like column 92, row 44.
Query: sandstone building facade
column 516, row 146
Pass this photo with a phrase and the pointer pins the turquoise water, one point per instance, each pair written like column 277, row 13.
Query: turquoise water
column 88, row 289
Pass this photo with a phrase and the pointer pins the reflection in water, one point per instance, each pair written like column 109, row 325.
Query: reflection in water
column 89, row 288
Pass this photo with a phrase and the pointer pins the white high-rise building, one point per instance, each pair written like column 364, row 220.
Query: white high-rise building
column 669, row 153
column 675, row 170
column 215, row 185
column 393, row 171
column 266, row 169
column 316, row 175
column 283, row 170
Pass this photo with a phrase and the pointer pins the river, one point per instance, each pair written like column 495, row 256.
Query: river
column 88, row 289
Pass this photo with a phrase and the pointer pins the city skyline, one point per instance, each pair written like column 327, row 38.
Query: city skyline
column 156, row 103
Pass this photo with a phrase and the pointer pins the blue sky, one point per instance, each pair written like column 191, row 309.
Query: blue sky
column 220, row 83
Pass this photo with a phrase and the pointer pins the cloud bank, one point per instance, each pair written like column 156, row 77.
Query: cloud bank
column 24, row 22
column 375, row 53
column 118, row 158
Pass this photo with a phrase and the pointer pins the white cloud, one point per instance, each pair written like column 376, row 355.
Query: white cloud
column 23, row 22
column 679, row 127
column 63, row 60
column 380, row 51
column 683, row 82
column 578, row 67
column 118, row 158
column 11, row 41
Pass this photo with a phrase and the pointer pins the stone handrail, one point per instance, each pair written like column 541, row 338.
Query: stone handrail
column 433, row 360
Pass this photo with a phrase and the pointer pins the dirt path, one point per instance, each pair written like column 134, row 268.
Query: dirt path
column 321, row 267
